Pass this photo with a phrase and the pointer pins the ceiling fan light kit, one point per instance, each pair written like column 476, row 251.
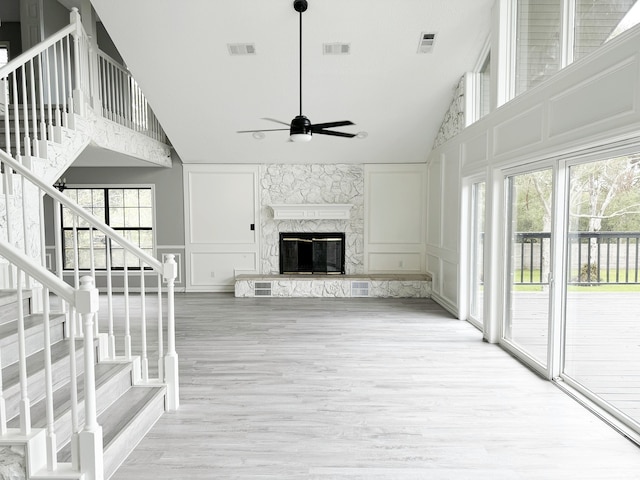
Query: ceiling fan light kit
column 301, row 129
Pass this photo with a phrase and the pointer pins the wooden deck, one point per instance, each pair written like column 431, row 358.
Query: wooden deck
column 602, row 338
column 326, row 388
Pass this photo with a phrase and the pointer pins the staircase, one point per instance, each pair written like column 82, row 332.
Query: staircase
column 125, row 411
column 77, row 388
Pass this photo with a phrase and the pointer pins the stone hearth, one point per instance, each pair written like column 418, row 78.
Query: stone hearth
column 343, row 286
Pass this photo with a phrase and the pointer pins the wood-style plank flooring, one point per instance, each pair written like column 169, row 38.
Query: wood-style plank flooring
column 301, row 388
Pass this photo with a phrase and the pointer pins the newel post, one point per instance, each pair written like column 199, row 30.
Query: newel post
column 90, row 438
column 78, row 102
column 171, row 378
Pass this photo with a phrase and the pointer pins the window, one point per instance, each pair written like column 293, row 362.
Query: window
column 596, row 22
column 129, row 211
column 537, row 43
column 484, row 88
column 547, row 39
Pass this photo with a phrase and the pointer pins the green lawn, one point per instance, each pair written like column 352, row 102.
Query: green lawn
column 609, row 287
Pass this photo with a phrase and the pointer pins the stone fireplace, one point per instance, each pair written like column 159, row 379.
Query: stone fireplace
column 319, row 185
column 312, row 253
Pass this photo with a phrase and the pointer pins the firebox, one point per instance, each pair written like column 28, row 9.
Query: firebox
column 309, row 253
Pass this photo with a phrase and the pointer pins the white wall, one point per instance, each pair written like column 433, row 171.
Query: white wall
column 221, row 204
column 591, row 104
column 395, row 222
column 385, row 234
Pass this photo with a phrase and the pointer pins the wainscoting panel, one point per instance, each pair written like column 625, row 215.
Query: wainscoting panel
column 221, row 207
column 520, row 131
column 612, row 93
column 216, row 271
column 475, row 150
column 387, row 262
column 434, row 204
column 395, row 220
column 221, row 231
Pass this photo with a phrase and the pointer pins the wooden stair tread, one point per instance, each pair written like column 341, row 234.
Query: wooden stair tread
column 35, row 363
column 125, row 409
column 120, row 419
column 61, row 397
column 32, row 324
column 10, row 296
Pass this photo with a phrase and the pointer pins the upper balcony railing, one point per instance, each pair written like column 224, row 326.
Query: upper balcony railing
column 42, row 88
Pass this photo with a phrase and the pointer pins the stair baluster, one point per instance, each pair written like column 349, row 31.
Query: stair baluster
column 52, row 446
column 25, row 404
column 112, row 338
column 160, row 334
column 144, row 361
column 127, row 316
column 3, row 405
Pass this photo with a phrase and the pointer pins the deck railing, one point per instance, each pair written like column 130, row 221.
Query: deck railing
column 594, row 258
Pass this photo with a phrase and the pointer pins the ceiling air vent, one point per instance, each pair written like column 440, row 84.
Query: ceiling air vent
column 336, row 48
column 426, row 42
column 241, row 48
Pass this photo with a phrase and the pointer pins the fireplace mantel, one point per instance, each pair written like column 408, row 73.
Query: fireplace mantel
column 312, row 211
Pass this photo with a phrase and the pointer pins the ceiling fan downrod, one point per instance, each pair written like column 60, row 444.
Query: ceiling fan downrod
column 300, row 6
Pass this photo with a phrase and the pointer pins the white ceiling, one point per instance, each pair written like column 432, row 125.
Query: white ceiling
column 178, row 53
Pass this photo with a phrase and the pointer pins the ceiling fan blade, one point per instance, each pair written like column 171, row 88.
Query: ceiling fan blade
column 319, row 126
column 268, row 130
column 277, row 121
column 334, row 133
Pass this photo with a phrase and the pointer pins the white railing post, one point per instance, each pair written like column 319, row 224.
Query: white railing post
column 78, row 98
column 90, row 438
column 171, row 376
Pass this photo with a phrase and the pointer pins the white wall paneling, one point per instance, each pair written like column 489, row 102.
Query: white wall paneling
column 216, row 270
column 221, row 205
column 475, row 150
column 570, row 112
column 395, row 223
column 517, row 132
column 590, row 105
column 434, row 219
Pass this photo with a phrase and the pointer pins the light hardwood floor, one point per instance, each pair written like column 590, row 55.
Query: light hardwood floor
column 370, row 389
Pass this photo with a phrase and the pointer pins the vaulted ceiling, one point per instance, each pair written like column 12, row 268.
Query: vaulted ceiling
column 178, row 52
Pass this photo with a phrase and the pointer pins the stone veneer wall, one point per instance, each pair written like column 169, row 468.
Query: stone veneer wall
column 454, row 119
column 317, row 184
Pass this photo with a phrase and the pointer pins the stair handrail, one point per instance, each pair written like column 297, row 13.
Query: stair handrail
column 155, row 264
column 42, row 275
column 36, row 50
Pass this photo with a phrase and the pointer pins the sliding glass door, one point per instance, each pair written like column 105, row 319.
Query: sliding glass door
column 527, row 296
column 602, row 325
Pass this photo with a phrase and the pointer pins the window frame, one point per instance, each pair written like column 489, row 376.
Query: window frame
column 106, row 189
column 508, row 38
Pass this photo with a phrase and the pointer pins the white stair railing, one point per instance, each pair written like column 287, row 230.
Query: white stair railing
column 42, row 89
column 37, row 90
column 123, row 101
column 133, row 345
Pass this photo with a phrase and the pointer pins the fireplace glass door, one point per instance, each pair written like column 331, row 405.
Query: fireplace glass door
column 309, row 253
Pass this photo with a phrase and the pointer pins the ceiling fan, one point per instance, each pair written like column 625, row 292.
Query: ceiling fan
column 301, row 129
